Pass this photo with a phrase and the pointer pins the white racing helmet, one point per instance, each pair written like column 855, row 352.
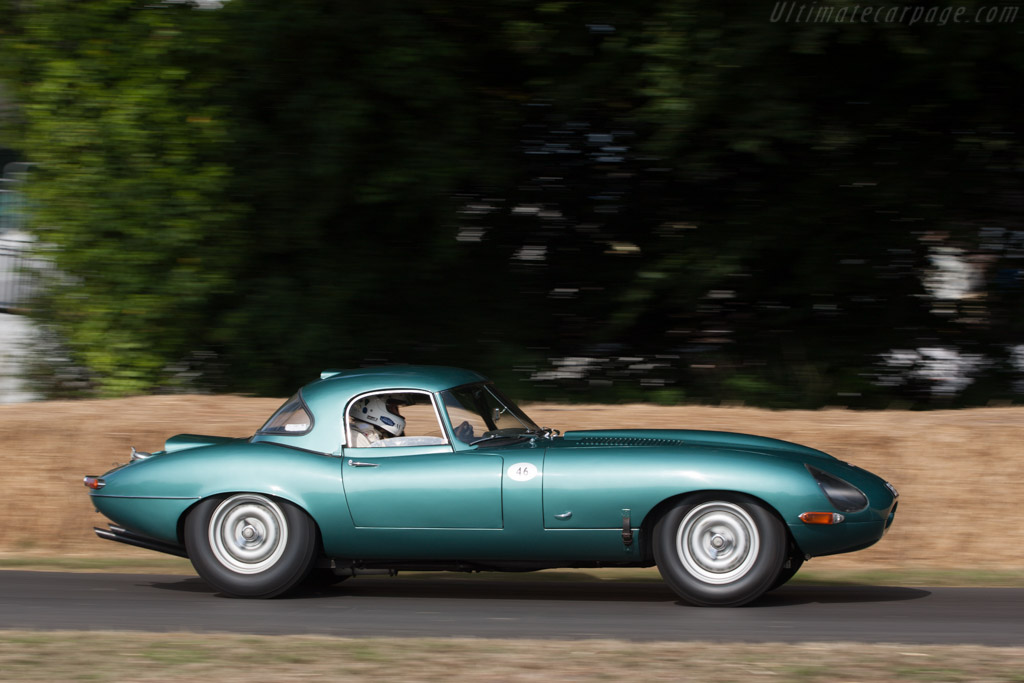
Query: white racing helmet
column 380, row 411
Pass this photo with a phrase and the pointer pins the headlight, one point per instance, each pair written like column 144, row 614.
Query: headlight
column 843, row 495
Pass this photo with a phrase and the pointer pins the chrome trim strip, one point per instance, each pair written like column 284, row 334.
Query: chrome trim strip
column 562, row 530
column 427, row 528
column 121, row 535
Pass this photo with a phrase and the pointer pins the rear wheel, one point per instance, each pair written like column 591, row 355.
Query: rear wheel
column 249, row 545
column 719, row 549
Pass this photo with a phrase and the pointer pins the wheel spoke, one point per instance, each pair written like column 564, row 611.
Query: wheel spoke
column 717, row 542
column 248, row 533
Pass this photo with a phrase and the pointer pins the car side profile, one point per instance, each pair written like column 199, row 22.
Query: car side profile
column 433, row 468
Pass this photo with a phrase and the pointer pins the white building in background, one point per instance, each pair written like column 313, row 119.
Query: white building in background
column 15, row 330
column 15, row 337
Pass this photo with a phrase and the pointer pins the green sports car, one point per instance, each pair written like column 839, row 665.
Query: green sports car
column 433, row 468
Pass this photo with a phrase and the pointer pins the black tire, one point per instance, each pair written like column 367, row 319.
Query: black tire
column 719, row 550
column 790, row 566
column 247, row 545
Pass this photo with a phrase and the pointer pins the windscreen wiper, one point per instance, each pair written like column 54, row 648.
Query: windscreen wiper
column 542, row 433
column 494, row 437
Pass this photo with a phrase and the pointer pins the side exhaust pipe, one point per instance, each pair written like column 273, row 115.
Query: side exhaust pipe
column 116, row 533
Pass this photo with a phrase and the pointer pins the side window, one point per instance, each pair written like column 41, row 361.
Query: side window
column 466, row 411
column 395, row 418
column 291, row 418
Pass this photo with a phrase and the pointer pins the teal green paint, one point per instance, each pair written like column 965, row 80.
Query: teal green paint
column 436, row 503
column 417, row 490
column 185, row 441
column 155, row 517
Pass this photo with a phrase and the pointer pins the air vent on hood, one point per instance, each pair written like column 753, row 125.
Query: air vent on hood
column 625, row 441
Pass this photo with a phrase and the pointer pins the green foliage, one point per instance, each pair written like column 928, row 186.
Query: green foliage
column 703, row 203
column 129, row 192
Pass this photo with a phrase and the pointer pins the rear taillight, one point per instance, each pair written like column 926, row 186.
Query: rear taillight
column 94, row 483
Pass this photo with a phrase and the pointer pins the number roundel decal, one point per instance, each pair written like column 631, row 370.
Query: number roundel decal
column 522, row 471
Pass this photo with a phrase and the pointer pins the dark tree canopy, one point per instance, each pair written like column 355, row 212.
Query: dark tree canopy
column 664, row 201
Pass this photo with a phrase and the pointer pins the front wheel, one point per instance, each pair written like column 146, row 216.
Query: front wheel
column 719, row 550
column 249, row 545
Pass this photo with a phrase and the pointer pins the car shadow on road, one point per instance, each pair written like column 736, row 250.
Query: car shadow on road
column 597, row 591
column 475, row 588
column 488, row 588
column 807, row 594
column 179, row 583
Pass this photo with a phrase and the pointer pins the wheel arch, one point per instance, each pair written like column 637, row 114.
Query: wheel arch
column 180, row 530
column 650, row 520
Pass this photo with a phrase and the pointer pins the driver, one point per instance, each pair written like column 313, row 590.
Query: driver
column 375, row 418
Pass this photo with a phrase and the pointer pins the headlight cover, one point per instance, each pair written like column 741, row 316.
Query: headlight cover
column 843, row 495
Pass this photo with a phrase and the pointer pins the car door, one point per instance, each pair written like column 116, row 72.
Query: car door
column 422, row 487
column 428, row 485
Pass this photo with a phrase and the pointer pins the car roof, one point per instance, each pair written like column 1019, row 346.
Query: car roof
column 327, row 397
column 431, row 378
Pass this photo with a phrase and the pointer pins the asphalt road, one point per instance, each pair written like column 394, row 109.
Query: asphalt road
column 503, row 607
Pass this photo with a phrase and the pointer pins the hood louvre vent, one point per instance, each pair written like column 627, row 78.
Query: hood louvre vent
column 626, row 441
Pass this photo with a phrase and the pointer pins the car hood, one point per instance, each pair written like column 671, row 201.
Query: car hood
column 604, row 438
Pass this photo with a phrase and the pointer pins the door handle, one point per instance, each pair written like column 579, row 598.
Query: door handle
column 564, row 515
column 357, row 463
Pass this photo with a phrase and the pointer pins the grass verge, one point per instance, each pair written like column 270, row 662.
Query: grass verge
column 151, row 563
column 107, row 656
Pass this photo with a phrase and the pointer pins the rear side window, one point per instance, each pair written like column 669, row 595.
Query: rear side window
column 291, row 418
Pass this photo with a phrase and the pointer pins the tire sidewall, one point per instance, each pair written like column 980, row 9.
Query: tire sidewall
column 289, row 570
column 795, row 560
column 770, row 556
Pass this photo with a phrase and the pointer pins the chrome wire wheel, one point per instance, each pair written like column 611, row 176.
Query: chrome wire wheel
column 717, row 542
column 248, row 533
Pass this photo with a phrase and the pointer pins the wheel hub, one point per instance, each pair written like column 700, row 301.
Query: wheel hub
column 717, row 542
column 248, row 533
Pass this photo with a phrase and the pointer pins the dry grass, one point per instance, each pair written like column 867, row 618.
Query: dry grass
column 47, row 447
column 27, row 655
column 960, row 473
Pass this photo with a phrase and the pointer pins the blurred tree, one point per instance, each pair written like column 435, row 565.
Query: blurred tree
column 355, row 127
column 833, row 162
column 695, row 203
column 785, row 253
column 122, row 119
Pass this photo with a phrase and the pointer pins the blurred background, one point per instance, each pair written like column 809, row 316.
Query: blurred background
column 664, row 201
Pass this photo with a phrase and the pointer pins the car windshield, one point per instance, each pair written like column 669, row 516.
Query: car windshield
column 291, row 418
column 480, row 411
